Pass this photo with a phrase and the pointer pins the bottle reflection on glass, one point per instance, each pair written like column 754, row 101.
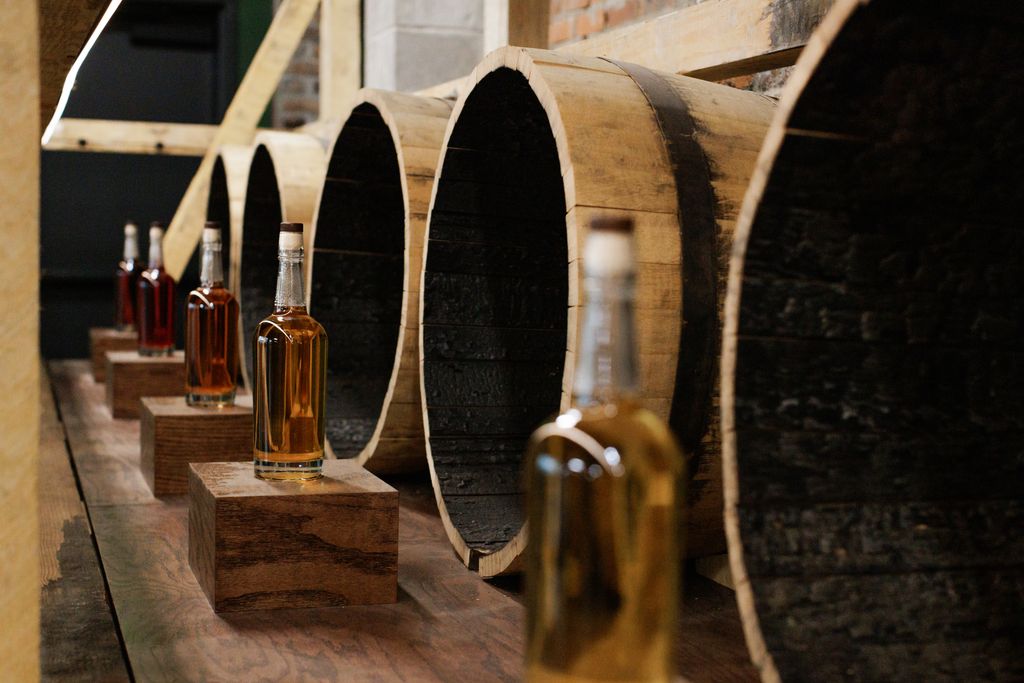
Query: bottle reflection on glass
column 126, row 279
column 155, row 301
column 211, row 331
column 602, row 572
column 289, row 375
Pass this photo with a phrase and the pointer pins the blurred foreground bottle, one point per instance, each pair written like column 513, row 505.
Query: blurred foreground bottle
column 289, row 375
column 602, row 580
column 127, row 279
column 211, row 331
column 155, row 300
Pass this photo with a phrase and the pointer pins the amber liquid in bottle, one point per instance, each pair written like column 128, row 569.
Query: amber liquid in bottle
column 602, row 500
column 155, row 301
column 211, row 331
column 289, row 376
column 127, row 279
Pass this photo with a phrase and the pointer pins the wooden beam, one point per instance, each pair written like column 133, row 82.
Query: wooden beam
column 64, row 27
column 19, row 339
column 713, row 40
column 523, row 23
column 238, row 126
column 341, row 56
column 131, row 137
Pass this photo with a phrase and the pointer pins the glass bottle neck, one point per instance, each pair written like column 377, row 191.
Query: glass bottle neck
column 606, row 364
column 289, row 280
column 131, row 248
column 211, row 270
column 156, row 255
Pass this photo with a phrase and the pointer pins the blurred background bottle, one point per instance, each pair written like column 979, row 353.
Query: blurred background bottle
column 155, row 300
column 127, row 279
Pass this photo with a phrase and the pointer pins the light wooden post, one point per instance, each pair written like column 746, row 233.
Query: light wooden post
column 341, row 56
column 523, row 23
column 19, row 340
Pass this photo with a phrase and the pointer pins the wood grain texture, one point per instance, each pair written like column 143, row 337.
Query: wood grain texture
column 103, row 339
column 541, row 144
column 284, row 176
column 19, row 338
column 131, row 137
column 447, row 625
column 365, row 271
column 341, row 56
column 64, row 28
column 105, row 451
column 873, row 360
column 261, row 545
column 131, row 376
column 78, row 638
column 174, row 434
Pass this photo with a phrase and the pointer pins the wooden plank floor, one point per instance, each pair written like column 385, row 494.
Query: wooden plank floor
column 448, row 624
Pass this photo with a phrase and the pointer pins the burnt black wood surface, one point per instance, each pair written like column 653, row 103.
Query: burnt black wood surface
column 880, row 367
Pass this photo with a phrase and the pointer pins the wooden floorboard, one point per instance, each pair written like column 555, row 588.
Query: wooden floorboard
column 448, row 625
column 78, row 636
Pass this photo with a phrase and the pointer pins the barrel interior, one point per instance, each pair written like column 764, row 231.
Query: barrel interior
column 218, row 208
column 358, row 275
column 495, row 293
column 261, row 222
column 879, row 379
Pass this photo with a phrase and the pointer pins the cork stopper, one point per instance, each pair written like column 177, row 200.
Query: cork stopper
column 290, row 237
column 130, row 228
column 156, row 230
column 609, row 247
column 211, row 232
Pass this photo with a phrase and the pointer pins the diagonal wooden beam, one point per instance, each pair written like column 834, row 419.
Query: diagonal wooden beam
column 239, row 125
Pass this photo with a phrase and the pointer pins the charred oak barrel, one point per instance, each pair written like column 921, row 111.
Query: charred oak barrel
column 284, row 177
column 539, row 144
column 873, row 365
column 366, row 261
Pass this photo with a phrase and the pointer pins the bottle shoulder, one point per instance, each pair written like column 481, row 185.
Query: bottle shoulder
column 292, row 324
column 213, row 296
column 636, row 434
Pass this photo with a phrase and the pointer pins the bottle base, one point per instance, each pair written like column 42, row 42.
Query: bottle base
column 205, row 400
column 151, row 351
column 288, row 471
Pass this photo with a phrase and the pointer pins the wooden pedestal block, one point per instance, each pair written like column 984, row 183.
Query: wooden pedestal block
column 174, row 434
column 255, row 544
column 103, row 339
column 131, row 376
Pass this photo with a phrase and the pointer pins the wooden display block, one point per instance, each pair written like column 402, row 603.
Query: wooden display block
column 256, row 544
column 131, row 376
column 174, row 434
column 103, row 339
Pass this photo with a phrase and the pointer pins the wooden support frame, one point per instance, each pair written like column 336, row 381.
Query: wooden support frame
column 131, row 137
column 19, row 338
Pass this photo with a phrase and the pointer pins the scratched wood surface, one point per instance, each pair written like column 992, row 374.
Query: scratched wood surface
column 78, row 637
column 448, row 624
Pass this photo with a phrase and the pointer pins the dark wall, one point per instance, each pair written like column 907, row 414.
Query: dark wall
column 157, row 61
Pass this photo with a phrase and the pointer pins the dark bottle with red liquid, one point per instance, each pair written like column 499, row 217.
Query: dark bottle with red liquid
column 127, row 279
column 155, row 301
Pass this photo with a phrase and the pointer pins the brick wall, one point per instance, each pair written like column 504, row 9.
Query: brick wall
column 573, row 20
column 297, row 100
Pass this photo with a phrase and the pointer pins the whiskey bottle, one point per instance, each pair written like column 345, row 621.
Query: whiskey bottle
column 211, row 331
column 289, row 375
column 602, row 481
column 155, row 300
column 127, row 279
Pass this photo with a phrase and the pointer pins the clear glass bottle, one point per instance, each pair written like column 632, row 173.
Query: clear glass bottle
column 211, row 331
column 289, row 375
column 127, row 279
column 155, row 300
column 602, row 572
